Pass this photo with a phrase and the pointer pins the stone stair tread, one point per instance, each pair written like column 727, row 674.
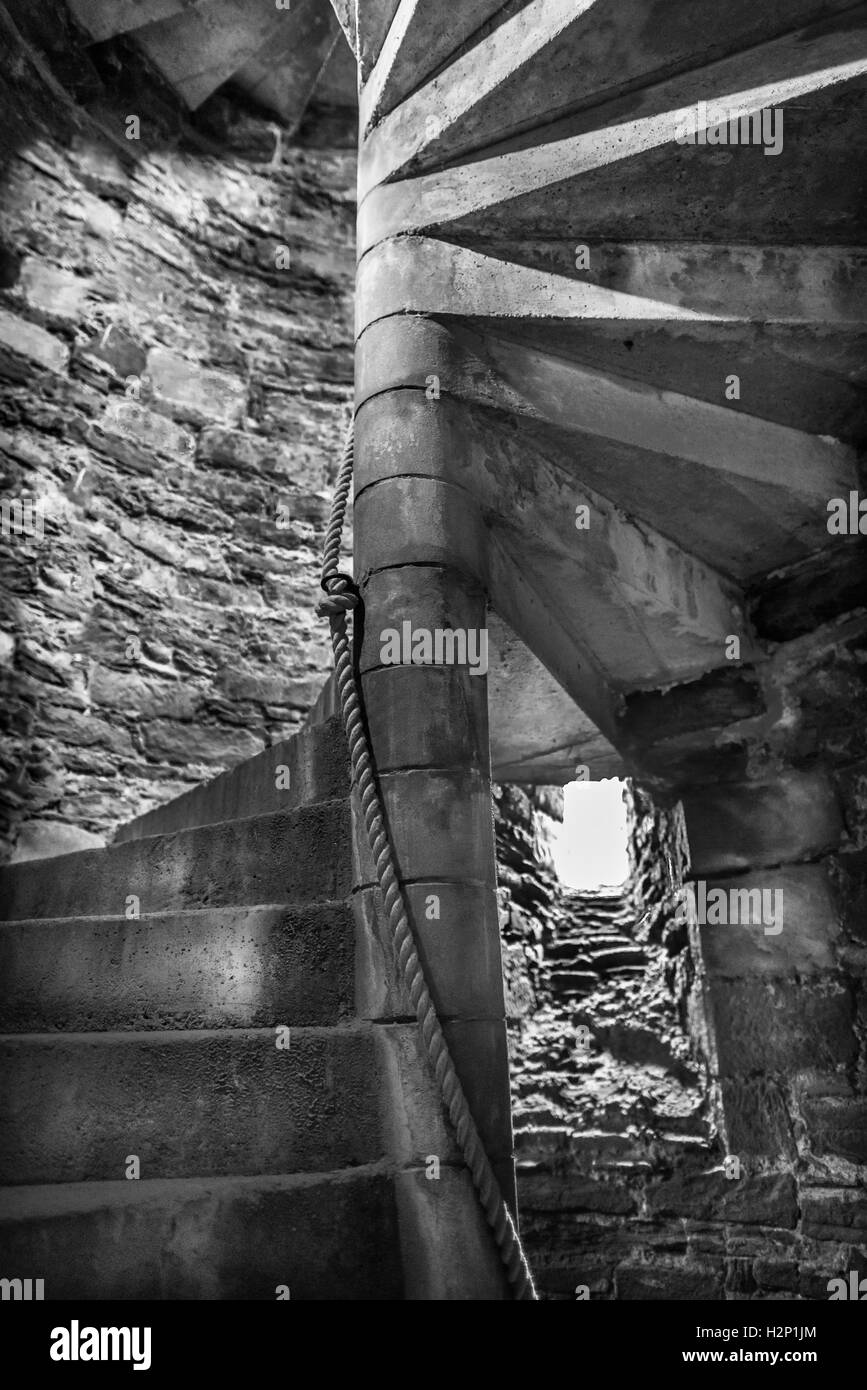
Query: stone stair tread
column 574, row 981
column 102, row 19
column 211, row 1238
column 201, row 48
column 231, row 967
column 282, row 856
column 317, row 759
column 211, row 1103
column 619, row 955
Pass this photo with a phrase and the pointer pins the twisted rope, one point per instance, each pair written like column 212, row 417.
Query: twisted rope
column 341, row 596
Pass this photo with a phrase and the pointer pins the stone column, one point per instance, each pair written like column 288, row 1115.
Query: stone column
column 420, row 558
column 779, row 1007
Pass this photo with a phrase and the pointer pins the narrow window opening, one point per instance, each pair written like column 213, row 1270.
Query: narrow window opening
column 590, row 848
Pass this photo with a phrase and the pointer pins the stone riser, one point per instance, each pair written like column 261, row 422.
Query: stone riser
column 333, row 1236
column 372, row 1233
column 285, row 857
column 214, row 1104
column 229, row 967
column 315, row 763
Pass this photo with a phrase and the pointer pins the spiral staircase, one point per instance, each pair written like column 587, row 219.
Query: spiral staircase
column 644, row 359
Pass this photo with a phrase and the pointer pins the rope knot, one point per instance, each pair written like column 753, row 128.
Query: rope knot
column 341, row 595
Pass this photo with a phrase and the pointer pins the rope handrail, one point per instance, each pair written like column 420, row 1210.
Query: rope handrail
column 341, row 597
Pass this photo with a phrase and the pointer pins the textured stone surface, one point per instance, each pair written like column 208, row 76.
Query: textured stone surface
column 597, row 1127
column 231, row 967
column 809, row 926
column 740, row 827
column 164, row 388
column 217, row 1238
column 621, row 1146
column 778, row 1025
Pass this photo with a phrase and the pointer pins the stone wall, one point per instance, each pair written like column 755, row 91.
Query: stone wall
column 176, row 368
column 622, row 1179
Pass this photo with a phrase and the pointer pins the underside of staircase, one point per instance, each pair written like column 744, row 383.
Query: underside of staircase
column 212, row 1087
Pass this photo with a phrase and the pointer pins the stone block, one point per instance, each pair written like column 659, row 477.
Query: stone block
column 770, row 1025
column 394, row 596
column 411, row 521
column 51, row 291
column 221, row 968
column 669, row 1282
column 835, row 1214
column 445, row 1241
column 32, row 343
column 739, row 1281
column 190, row 392
column 849, row 876
column 288, row 856
column 809, row 926
column 756, row 1119
column 776, row 1274
column 427, row 716
column 459, row 951
column 764, row 1200
column 119, row 351
column 129, row 420
column 545, row 1191
column 221, row 1239
column 717, row 700
column 749, row 824
column 837, row 1125
column 813, row 1281
column 400, row 432
column 852, row 788
column 176, row 742
column 45, row 839
column 440, row 825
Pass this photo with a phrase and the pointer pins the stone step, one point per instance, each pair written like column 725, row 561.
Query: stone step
column 231, row 967
column 327, row 1236
column 589, row 941
column 571, row 951
column 200, row 49
column 210, row 1104
column 619, row 958
column 285, row 857
column 573, row 981
column 102, row 19
column 314, row 763
column 362, row 1233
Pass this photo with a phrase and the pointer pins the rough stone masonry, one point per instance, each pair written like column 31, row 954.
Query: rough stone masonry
column 178, row 402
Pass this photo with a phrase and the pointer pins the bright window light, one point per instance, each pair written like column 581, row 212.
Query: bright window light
column 590, row 846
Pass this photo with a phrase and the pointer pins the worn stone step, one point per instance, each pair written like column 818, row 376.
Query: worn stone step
column 362, row 1233
column 573, row 981
column 325, row 1236
column 102, row 19
column 589, row 947
column 310, row 767
column 289, row 856
column 619, row 957
column 200, row 49
column 230, row 967
column 75, row 1106
column 574, row 952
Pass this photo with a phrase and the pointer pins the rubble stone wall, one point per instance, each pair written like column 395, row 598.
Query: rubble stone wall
column 623, row 1186
column 176, row 360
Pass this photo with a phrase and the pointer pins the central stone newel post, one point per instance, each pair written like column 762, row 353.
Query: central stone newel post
column 419, row 561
